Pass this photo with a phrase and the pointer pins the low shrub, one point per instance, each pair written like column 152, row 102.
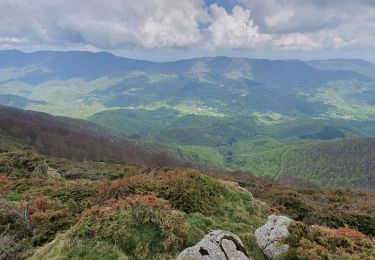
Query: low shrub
column 119, row 188
column 316, row 242
column 332, row 208
column 7, row 245
column 189, row 191
column 5, row 185
column 91, row 249
column 142, row 226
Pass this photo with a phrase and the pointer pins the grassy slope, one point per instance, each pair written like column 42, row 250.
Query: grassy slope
column 204, row 155
column 106, row 210
column 75, row 186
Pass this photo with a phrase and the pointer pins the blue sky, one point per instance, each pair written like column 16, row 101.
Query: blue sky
column 227, row 4
column 171, row 30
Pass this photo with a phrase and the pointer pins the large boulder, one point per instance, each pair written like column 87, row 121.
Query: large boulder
column 270, row 235
column 217, row 245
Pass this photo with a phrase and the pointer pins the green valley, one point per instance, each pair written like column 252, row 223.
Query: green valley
column 69, row 202
column 270, row 117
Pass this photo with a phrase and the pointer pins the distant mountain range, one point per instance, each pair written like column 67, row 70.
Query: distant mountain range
column 221, row 85
column 250, row 114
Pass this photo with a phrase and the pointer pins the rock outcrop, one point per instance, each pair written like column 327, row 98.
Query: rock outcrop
column 217, row 245
column 269, row 236
column 53, row 173
column 40, row 169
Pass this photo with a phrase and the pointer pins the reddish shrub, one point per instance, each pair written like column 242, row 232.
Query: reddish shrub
column 149, row 200
column 124, row 187
column 5, row 184
column 39, row 204
column 347, row 232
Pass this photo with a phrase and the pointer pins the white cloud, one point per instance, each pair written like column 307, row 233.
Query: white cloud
column 295, row 41
column 236, row 30
column 321, row 23
column 279, row 18
column 105, row 24
column 274, row 25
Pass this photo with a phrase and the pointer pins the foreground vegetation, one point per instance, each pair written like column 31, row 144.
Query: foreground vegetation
column 161, row 210
column 55, row 208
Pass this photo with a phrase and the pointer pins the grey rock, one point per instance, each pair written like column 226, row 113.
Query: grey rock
column 217, row 245
column 40, row 169
column 270, row 235
column 53, row 173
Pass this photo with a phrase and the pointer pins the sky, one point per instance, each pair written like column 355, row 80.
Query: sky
column 175, row 29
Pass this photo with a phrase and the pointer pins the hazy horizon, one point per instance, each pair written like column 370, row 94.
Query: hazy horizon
column 173, row 59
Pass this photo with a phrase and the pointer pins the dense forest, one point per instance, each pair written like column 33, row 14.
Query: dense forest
column 76, row 139
column 269, row 117
column 340, row 163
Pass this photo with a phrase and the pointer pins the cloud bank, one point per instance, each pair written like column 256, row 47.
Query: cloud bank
column 275, row 25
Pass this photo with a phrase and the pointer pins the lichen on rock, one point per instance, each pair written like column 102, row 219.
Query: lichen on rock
column 270, row 235
column 218, row 245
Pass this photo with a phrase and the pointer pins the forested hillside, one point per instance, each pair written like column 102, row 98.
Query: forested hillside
column 77, row 139
column 339, row 163
column 270, row 117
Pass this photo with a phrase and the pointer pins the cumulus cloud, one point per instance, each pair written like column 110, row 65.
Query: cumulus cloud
column 316, row 24
column 273, row 25
column 236, row 30
column 105, row 24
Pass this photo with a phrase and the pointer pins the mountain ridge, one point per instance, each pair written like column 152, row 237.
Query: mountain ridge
column 17, row 51
column 225, row 112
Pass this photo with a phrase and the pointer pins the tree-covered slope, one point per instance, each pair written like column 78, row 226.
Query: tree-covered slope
column 235, row 113
column 338, row 163
column 77, row 139
column 326, row 152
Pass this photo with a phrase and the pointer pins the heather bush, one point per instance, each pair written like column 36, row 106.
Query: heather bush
column 119, row 188
column 109, row 210
column 332, row 208
column 142, row 226
column 190, row 191
column 316, row 242
column 5, row 185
